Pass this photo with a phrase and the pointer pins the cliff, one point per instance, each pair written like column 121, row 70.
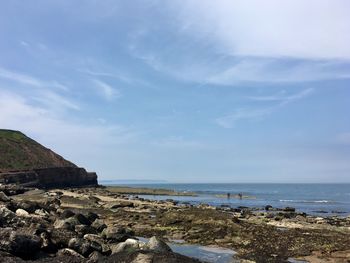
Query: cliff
column 24, row 161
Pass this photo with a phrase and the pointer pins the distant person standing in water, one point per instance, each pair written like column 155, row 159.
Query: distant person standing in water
column 228, row 195
column 240, row 196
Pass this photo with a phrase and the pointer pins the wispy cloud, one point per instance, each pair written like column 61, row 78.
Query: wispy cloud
column 20, row 78
column 229, row 121
column 268, row 70
column 61, row 132
column 30, row 80
column 42, row 91
column 107, row 91
column 283, row 97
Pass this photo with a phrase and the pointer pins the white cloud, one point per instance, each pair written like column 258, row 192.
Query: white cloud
column 106, row 90
column 272, row 28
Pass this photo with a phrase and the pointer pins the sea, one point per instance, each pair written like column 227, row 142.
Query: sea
column 315, row 199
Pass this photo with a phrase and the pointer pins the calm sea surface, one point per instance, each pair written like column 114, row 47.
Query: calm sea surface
column 325, row 199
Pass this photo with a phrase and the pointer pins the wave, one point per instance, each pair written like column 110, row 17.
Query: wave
column 306, row 201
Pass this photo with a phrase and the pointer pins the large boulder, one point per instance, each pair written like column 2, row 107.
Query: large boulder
column 81, row 246
column 158, row 245
column 128, row 245
column 21, row 245
column 116, row 234
column 99, row 225
column 60, row 237
column 106, row 250
column 4, row 197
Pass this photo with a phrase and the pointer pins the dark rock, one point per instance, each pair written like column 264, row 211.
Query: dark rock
column 91, row 216
column 116, row 234
column 61, row 237
column 28, row 206
column 21, row 245
column 98, row 239
column 67, row 214
column 99, row 225
column 82, row 219
column 84, row 229
column 289, row 209
column 115, row 205
column 268, row 207
column 12, row 189
column 54, row 177
column 81, row 246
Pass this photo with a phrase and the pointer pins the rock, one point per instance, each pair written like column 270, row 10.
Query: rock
column 61, row 237
column 84, row 229
column 6, row 214
column 99, row 225
column 63, row 224
column 116, row 234
column 30, row 207
column 53, row 177
column 96, row 257
column 141, row 256
column 69, row 252
column 21, row 245
column 128, row 245
column 91, row 216
column 12, row 189
column 22, row 212
column 98, row 239
column 268, row 207
column 80, row 245
column 289, row 209
column 82, row 219
column 158, row 245
column 115, row 205
column 46, row 244
column 67, row 214
column 4, row 197
column 41, row 212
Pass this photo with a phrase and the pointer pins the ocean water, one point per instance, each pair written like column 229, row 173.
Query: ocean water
column 321, row 199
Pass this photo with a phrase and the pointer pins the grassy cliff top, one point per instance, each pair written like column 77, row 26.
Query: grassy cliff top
column 19, row 152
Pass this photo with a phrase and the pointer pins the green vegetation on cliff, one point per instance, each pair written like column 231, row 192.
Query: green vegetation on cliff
column 19, row 152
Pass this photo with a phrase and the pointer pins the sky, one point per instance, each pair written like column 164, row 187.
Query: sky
column 182, row 90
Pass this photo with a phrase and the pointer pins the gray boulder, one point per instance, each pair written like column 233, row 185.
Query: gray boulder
column 4, row 197
column 158, row 245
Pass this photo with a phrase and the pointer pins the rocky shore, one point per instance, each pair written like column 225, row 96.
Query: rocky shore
column 97, row 225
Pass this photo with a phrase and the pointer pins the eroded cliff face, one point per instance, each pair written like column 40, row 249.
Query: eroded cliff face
column 56, row 177
column 26, row 162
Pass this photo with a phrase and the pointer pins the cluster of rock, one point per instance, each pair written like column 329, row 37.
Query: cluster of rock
column 50, row 177
column 44, row 232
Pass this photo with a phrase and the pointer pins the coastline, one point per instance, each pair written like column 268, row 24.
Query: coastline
column 274, row 235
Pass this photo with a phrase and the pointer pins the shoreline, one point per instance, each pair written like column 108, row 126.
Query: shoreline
column 146, row 191
column 258, row 236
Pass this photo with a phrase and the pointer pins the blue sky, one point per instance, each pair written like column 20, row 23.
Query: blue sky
column 184, row 91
